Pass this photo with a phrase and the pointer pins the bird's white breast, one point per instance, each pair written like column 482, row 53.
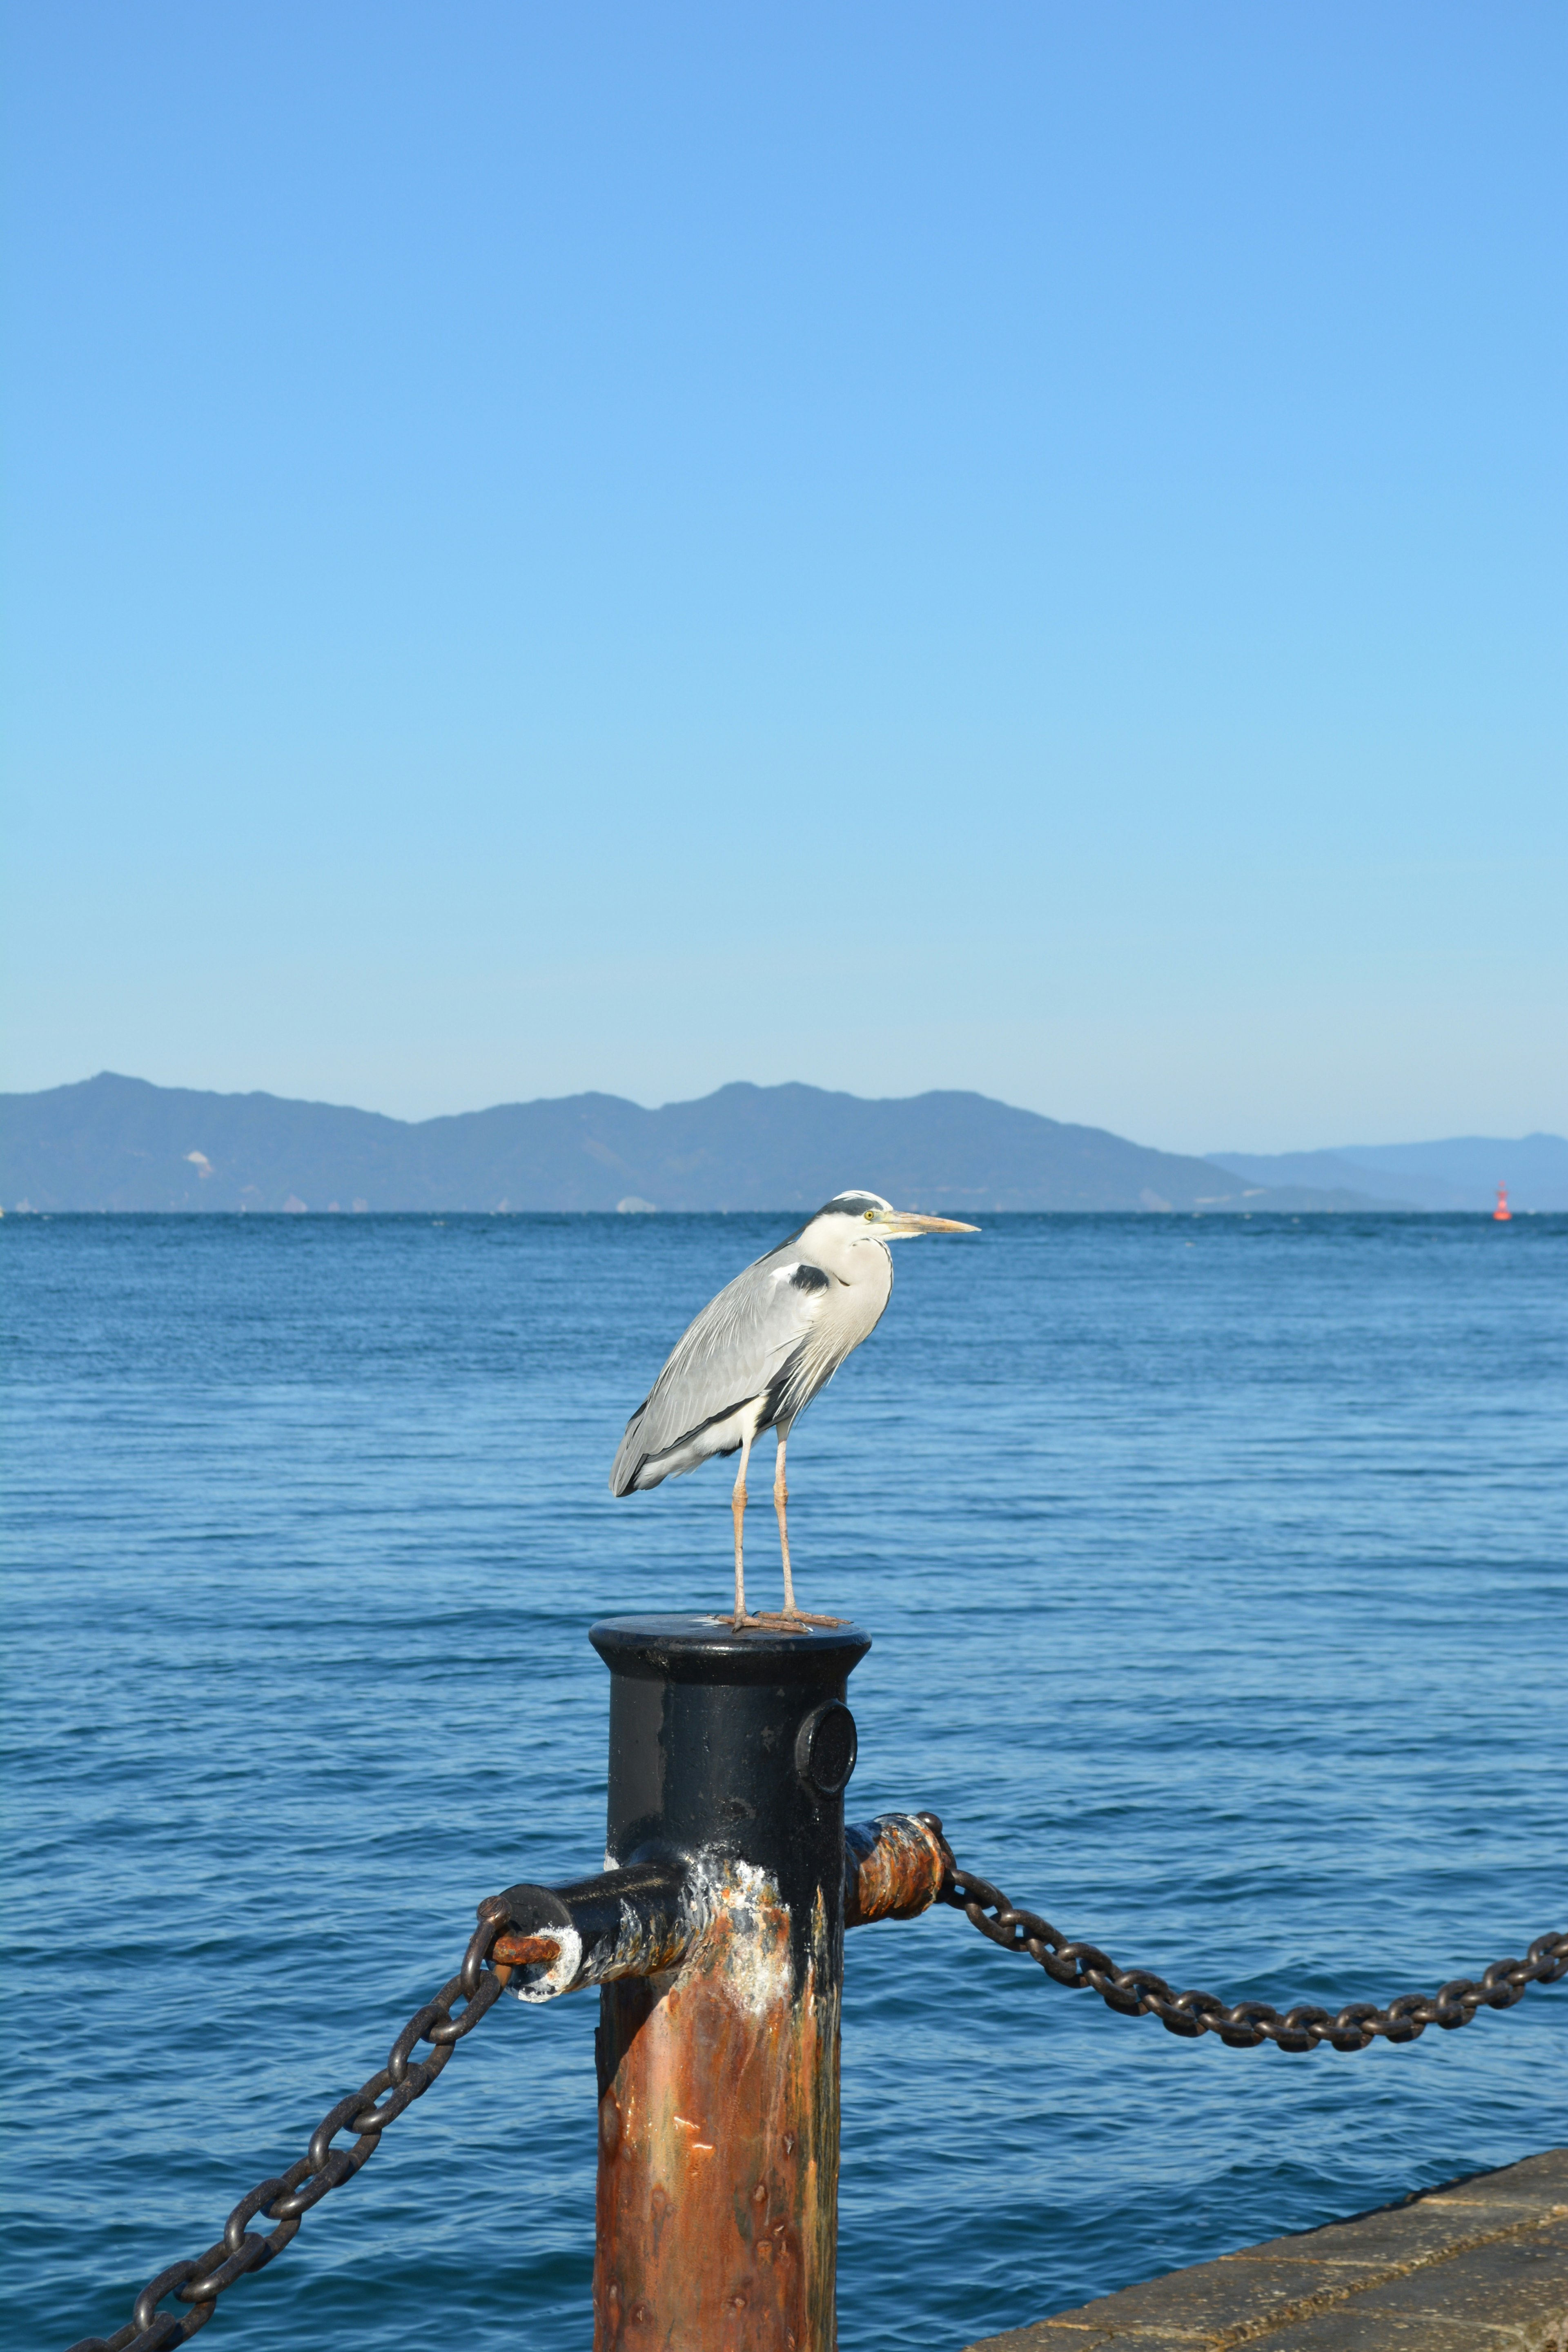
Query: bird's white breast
column 849, row 1307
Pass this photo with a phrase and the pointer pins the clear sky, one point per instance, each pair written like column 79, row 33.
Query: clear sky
column 889, row 544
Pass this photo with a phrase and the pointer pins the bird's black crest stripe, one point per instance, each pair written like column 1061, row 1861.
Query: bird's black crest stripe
column 808, row 1277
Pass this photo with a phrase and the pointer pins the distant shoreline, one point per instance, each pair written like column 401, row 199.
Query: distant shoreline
column 1378, row 1210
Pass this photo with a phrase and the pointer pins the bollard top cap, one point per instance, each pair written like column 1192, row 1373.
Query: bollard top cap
column 710, row 1650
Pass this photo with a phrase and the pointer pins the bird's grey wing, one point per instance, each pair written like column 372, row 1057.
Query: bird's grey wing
column 746, row 1341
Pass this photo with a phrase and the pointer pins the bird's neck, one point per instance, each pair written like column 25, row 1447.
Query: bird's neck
column 861, row 1266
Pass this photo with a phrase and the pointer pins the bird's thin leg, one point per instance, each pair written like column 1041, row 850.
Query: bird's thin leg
column 738, row 1508
column 780, row 1500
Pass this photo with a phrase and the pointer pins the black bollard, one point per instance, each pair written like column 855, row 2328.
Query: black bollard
column 718, row 2194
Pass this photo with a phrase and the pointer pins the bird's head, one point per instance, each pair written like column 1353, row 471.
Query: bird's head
column 866, row 1216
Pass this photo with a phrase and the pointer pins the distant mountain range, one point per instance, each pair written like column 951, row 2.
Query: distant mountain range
column 1463, row 1173
column 117, row 1143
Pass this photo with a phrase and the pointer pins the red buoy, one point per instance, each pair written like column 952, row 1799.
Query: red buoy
column 1502, row 1214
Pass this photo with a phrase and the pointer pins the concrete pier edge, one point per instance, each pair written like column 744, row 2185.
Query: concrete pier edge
column 1479, row 2265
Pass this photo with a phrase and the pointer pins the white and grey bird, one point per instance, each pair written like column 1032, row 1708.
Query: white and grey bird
column 759, row 1352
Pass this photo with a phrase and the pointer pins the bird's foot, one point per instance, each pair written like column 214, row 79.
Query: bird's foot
column 778, row 1620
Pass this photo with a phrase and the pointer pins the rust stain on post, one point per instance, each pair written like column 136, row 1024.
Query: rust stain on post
column 717, row 2213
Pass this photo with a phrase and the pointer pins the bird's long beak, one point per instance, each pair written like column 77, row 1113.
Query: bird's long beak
column 898, row 1224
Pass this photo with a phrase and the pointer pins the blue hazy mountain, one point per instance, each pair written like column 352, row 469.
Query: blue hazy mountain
column 1462, row 1173
column 117, row 1143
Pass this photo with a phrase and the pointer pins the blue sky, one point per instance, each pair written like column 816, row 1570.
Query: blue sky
column 892, row 545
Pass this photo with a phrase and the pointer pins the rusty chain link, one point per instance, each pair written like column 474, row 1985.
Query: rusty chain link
column 1243, row 2024
column 287, row 2198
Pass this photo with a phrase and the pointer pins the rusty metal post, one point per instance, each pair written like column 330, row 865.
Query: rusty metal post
column 717, row 2195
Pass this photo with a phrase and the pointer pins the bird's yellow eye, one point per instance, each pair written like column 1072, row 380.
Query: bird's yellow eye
column 871, row 1216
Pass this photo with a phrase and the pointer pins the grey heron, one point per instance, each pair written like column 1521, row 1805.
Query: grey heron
column 761, row 1350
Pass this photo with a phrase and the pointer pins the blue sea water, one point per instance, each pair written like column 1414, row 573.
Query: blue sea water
column 1214, row 1569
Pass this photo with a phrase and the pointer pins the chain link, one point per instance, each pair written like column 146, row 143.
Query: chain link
column 1243, row 2024
column 285, row 2199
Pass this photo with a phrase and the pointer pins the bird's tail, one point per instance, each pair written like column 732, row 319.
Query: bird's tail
column 628, row 1458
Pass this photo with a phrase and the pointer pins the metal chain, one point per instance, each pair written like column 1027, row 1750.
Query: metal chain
column 1138, row 1992
column 1134, row 1992
column 287, row 2198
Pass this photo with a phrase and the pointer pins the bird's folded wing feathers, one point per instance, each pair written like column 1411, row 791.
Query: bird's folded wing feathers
column 738, row 1345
